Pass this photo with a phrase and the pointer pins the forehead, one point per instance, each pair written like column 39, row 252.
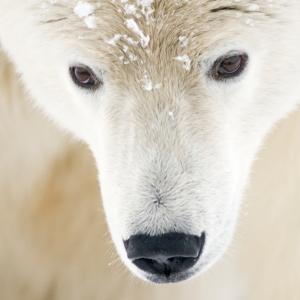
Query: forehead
column 147, row 33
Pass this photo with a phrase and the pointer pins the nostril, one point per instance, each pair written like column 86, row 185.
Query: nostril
column 165, row 254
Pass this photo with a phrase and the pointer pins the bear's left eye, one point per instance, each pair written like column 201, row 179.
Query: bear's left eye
column 229, row 66
column 85, row 78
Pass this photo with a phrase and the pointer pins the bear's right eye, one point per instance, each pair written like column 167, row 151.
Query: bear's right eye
column 85, row 78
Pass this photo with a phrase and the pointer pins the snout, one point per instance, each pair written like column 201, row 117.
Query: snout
column 167, row 257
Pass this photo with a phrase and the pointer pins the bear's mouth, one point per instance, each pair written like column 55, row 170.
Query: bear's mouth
column 169, row 278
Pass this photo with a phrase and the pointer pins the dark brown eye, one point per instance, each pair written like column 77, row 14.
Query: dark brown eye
column 229, row 66
column 85, row 78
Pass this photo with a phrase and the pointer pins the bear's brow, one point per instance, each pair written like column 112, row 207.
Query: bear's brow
column 226, row 8
column 248, row 8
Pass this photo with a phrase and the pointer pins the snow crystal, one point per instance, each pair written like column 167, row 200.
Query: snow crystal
column 253, row 7
column 249, row 22
column 129, row 40
column 147, row 83
column 132, row 57
column 185, row 60
column 171, row 114
column 145, row 3
column 83, row 9
column 90, row 22
column 117, row 37
column 130, row 9
column 183, row 40
column 114, row 39
column 133, row 26
column 146, row 8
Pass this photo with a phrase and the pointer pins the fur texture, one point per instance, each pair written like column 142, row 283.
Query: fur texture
column 54, row 242
column 198, row 162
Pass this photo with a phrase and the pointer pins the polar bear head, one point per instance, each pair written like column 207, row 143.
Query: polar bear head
column 173, row 98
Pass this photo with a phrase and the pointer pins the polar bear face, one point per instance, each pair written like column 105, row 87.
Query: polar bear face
column 173, row 109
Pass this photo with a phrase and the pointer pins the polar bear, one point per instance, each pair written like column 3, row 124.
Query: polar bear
column 173, row 98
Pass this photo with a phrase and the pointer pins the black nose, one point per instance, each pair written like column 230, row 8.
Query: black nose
column 164, row 254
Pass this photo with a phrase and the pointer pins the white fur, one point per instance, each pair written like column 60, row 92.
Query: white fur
column 198, row 160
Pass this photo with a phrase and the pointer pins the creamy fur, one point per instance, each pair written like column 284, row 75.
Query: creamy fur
column 199, row 161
